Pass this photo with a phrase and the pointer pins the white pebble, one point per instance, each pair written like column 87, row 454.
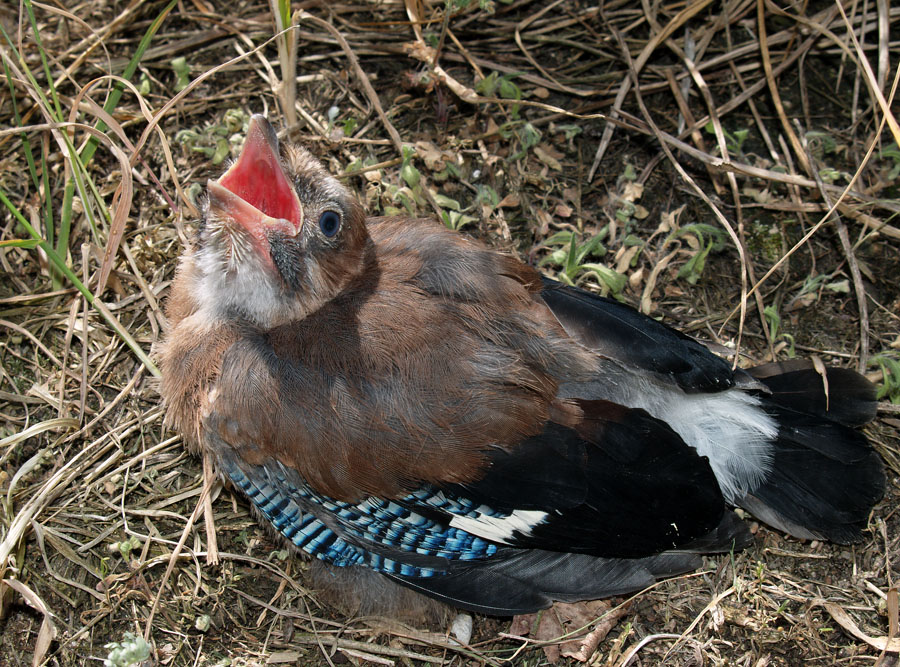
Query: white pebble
column 461, row 628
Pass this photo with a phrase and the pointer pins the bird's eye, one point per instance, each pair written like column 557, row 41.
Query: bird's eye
column 329, row 223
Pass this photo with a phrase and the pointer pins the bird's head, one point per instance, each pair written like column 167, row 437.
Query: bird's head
column 280, row 235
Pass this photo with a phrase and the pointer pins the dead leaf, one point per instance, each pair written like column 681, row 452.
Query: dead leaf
column 551, row 151
column 634, row 280
column 757, row 195
column 632, row 191
column 646, row 297
column 544, row 156
column 282, row 657
column 433, row 157
column 623, row 261
column 544, row 219
column 48, row 631
column 563, row 211
column 509, row 201
column 553, row 624
column 843, row 619
column 669, row 221
column 424, row 53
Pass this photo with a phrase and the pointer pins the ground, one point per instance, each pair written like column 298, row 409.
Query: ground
column 503, row 119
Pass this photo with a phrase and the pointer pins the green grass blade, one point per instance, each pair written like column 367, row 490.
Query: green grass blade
column 62, row 267
column 36, row 34
column 116, row 94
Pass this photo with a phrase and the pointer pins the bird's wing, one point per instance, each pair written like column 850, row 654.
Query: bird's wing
column 610, row 481
column 613, row 483
column 525, row 581
column 622, row 334
column 411, row 542
column 579, row 511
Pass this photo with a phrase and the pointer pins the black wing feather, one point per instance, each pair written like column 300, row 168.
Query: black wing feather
column 619, row 332
column 620, row 483
column 525, row 581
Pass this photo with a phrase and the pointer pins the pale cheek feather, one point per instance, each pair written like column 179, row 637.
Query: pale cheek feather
column 500, row 529
column 246, row 288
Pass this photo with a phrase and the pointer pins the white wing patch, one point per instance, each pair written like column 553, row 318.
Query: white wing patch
column 733, row 431
column 729, row 427
column 497, row 528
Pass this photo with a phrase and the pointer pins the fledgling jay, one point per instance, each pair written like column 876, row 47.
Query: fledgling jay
column 392, row 395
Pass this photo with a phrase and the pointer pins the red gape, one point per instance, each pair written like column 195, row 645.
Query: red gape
column 258, row 179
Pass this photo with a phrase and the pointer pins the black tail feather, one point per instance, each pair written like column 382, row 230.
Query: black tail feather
column 824, row 478
column 796, row 384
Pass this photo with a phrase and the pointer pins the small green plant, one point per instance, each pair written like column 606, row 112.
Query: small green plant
column 571, row 260
column 892, row 152
column 450, row 170
column 347, row 125
column 569, row 130
column 734, row 142
column 820, row 143
column 217, row 140
column 774, row 321
column 526, row 134
column 709, row 239
column 812, row 284
column 503, row 86
column 760, row 571
column 125, row 547
column 132, row 650
column 452, row 214
column 408, row 171
column 287, row 55
column 890, row 371
column 182, row 73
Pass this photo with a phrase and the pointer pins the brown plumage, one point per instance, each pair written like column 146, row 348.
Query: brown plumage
column 393, row 395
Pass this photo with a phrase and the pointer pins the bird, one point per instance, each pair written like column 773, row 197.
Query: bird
column 405, row 404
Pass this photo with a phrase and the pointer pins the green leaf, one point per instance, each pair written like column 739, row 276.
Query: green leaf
column 488, row 85
column 774, row 320
column 487, row 195
column 571, row 258
column 222, row 151
column 593, row 247
column 569, row 131
column 29, row 244
column 557, row 257
column 182, row 73
column 611, row 279
column 559, row 238
column 284, row 11
column 890, row 383
column 508, row 89
column 693, row 268
column 410, row 175
column 446, row 202
column 840, row 286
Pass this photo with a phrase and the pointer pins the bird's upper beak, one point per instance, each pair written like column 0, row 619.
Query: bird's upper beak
column 255, row 193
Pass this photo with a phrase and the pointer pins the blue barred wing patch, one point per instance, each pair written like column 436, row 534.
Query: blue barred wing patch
column 410, row 536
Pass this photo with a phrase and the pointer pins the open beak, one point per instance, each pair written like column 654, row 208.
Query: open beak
column 255, row 193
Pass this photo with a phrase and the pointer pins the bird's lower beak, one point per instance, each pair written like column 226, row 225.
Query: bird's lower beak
column 226, row 205
column 255, row 192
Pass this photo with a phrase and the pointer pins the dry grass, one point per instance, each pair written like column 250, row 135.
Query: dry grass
column 537, row 128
